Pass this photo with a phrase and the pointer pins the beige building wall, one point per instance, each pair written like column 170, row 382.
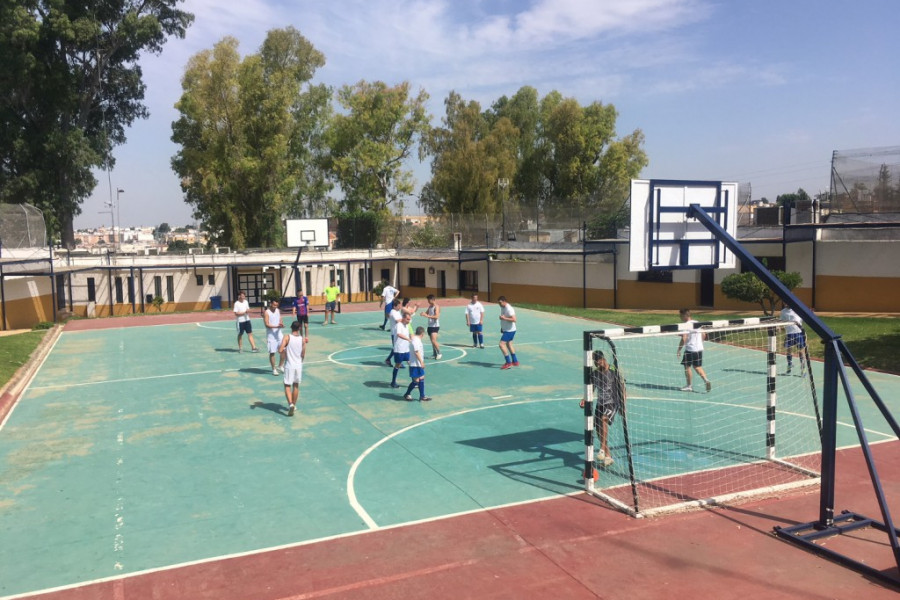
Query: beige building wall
column 28, row 301
column 858, row 276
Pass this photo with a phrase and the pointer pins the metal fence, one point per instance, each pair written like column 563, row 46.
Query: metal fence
column 22, row 226
column 865, row 181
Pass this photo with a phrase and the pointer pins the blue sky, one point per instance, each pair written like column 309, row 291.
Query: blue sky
column 758, row 91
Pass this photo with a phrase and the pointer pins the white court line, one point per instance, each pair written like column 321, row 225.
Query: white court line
column 351, row 476
column 33, row 375
column 149, row 377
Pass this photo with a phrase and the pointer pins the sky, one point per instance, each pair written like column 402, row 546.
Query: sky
column 754, row 91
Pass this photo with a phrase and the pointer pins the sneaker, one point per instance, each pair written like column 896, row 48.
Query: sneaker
column 381, row 327
column 506, row 366
column 788, row 372
column 395, row 385
column 481, row 346
column 274, row 371
column 425, row 399
column 387, row 361
column 515, row 363
column 408, row 398
column 438, row 357
column 255, row 350
column 281, row 370
column 291, row 410
column 708, row 385
column 608, row 461
column 240, row 350
column 687, row 388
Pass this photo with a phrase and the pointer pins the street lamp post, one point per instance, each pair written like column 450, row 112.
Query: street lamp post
column 119, row 193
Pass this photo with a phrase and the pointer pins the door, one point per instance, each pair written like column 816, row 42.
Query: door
column 442, row 283
column 707, row 287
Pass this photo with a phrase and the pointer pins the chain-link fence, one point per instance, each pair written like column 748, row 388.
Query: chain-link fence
column 864, row 181
column 22, row 226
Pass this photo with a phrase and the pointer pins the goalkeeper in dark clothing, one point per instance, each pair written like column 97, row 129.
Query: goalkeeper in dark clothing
column 609, row 390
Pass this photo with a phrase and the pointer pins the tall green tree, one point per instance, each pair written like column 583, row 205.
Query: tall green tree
column 251, row 138
column 370, row 143
column 471, row 153
column 558, row 155
column 71, row 86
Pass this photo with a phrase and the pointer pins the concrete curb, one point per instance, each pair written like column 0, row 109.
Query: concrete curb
column 12, row 390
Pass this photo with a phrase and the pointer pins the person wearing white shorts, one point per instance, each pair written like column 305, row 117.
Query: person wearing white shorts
column 272, row 318
column 293, row 349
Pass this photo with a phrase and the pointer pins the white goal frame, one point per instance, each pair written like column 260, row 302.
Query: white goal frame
column 631, row 501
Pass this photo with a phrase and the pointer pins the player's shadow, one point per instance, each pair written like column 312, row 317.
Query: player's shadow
column 653, row 386
column 744, row 371
column 486, row 365
column 257, row 370
column 373, row 363
column 275, row 408
column 227, row 350
column 378, row 384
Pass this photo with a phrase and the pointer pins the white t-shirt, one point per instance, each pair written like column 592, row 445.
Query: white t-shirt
column 396, row 320
column 431, row 311
column 401, row 345
column 389, row 293
column 273, row 318
column 788, row 314
column 475, row 312
column 694, row 339
column 416, row 348
column 293, row 351
column 507, row 311
column 242, row 306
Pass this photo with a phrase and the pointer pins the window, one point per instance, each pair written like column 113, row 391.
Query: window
column 417, row 277
column 130, row 288
column 157, row 286
column 92, row 289
column 772, row 263
column 386, row 275
column 468, row 281
column 308, row 278
column 199, row 279
column 211, row 279
column 362, row 280
column 119, row 299
column 660, row 276
column 170, row 288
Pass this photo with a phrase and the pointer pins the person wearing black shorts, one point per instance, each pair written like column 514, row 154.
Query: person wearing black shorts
column 692, row 342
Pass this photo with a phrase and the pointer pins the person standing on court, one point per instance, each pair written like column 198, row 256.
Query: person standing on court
column 394, row 318
column 331, row 299
column 507, row 333
column 433, row 314
column 293, row 348
column 609, row 390
column 272, row 318
column 475, row 321
column 417, row 367
column 692, row 342
column 402, row 342
column 388, row 293
column 242, row 314
column 300, row 312
column 795, row 338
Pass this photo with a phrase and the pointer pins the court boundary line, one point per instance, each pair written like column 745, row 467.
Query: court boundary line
column 30, row 378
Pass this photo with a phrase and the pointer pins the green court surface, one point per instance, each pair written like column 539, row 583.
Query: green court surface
column 139, row 448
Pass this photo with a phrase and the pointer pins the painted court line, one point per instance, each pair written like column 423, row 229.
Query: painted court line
column 351, row 476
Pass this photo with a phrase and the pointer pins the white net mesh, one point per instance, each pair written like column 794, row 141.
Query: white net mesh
column 755, row 431
column 22, row 226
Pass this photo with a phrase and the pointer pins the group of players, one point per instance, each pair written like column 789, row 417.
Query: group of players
column 407, row 343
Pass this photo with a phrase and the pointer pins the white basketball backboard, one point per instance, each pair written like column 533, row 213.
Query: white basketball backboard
column 664, row 237
column 307, row 233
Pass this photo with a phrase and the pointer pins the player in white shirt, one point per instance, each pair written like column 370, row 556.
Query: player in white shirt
column 402, row 340
column 693, row 353
column 795, row 337
column 388, row 293
column 417, row 367
column 475, row 321
column 394, row 317
column 293, row 348
column 242, row 314
column 507, row 333
column 272, row 318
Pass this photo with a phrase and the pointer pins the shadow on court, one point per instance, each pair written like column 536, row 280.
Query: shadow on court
column 270, row 406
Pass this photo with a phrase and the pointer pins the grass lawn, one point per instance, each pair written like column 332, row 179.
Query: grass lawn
column 15, row 350
column 874, row 342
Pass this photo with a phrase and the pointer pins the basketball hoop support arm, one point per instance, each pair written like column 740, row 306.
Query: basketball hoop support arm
column 835, row 354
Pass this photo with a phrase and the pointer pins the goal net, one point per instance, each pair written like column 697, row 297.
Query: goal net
column 754, row 430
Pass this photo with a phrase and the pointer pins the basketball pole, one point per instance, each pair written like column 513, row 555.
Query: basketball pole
column 836, row 352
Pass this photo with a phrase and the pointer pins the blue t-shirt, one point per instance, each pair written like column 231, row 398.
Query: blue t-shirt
column 301, row 305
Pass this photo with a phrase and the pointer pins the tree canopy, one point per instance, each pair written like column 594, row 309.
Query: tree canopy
column 370, row 143
column 747, row 287
column 249, row 131
column 71, row 86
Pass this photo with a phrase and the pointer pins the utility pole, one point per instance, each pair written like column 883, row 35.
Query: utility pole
column 119, row 193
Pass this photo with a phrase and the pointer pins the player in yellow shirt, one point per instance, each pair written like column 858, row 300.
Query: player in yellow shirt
column 331, row 299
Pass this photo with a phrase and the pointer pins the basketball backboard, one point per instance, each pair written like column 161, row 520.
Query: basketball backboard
column 307, row 233
column 664, row 237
